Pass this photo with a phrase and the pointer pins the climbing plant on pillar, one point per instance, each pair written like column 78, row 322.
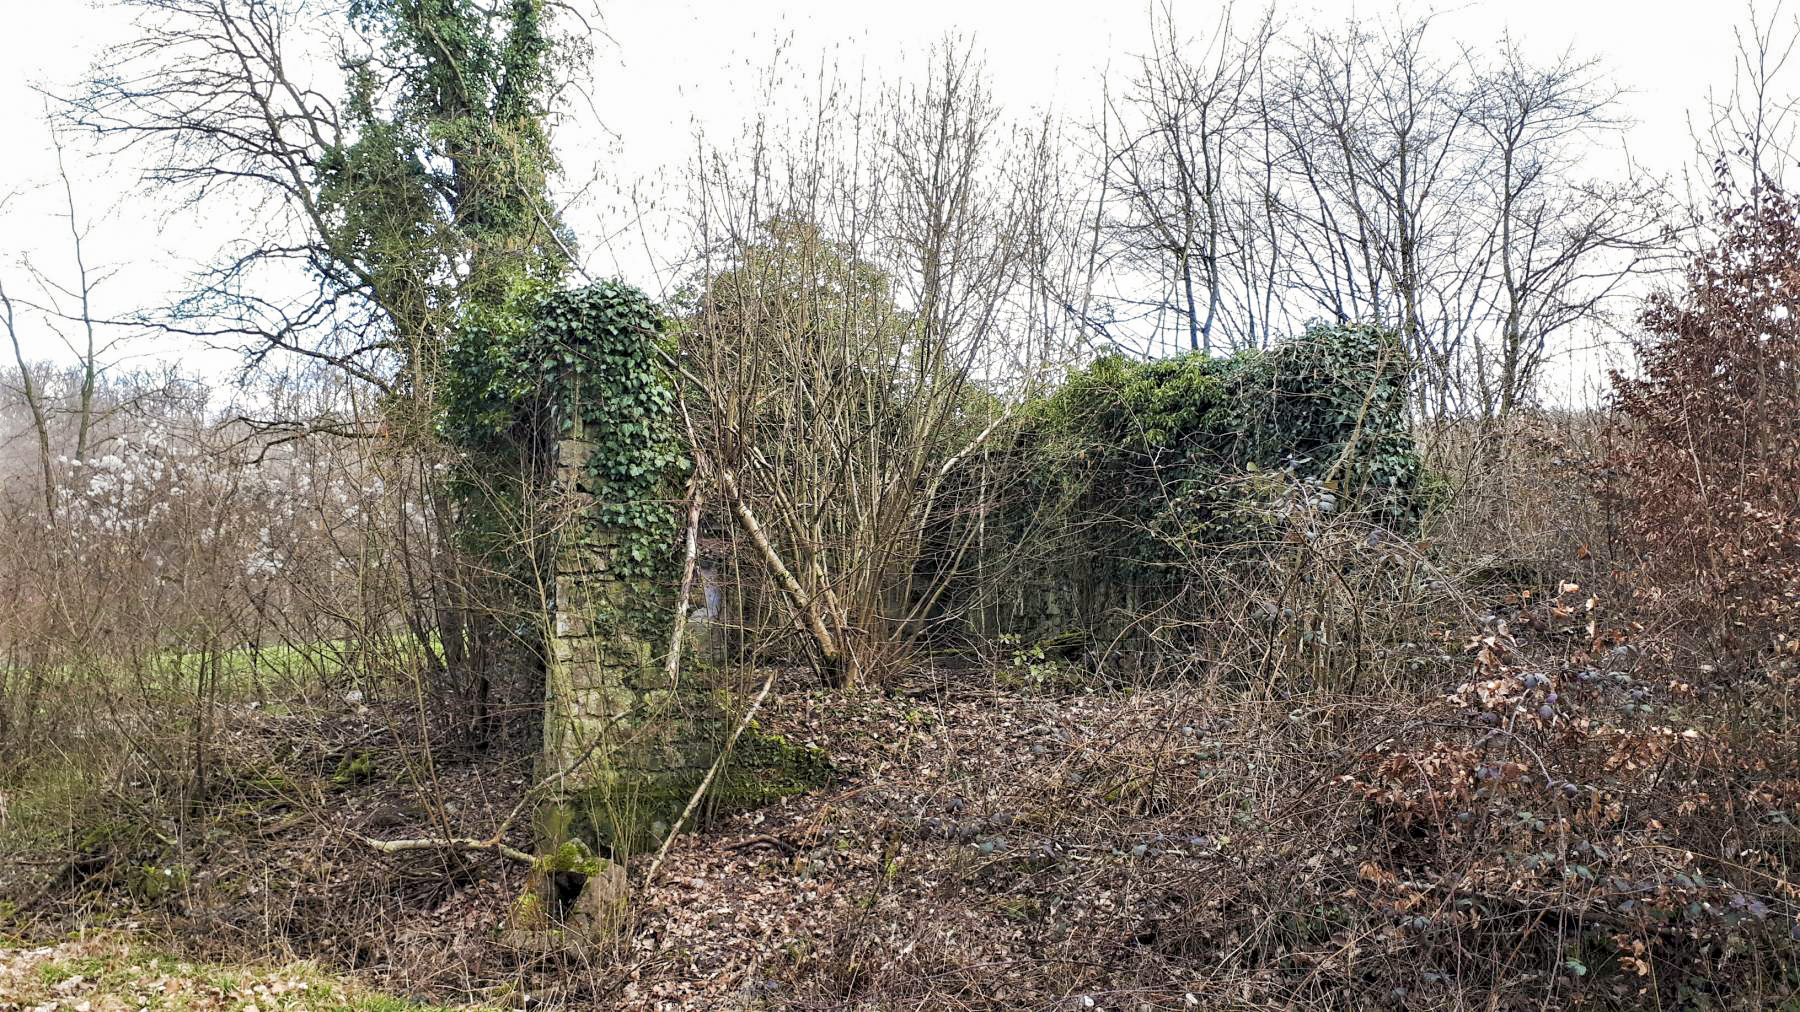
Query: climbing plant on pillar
column 594, row 358
column 569, row 389
column 629, row 741
column 569, row 380
column 564, row 416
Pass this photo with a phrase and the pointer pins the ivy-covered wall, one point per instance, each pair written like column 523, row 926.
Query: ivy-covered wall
column 1133, row 478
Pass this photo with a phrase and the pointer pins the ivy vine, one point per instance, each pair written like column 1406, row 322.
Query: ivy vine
column 1145, row 460
column 596, row 352
column 545, row 366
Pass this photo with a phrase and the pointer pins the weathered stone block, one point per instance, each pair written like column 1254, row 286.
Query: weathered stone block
column 572, row 623
column 608, row 701
column 574, row 454
column 576, row 652
column 629, row 654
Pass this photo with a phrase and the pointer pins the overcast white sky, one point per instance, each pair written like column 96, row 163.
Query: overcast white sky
column 677, row 63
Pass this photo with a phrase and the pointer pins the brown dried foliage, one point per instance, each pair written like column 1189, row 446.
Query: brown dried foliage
column 1708, row 456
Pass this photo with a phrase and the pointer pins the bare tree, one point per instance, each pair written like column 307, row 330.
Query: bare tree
column 1377, row 130
column 57, row 304
column 864, row 297
column 1172, row 170
column 1565, row 245
column 1359, row 174
column 1748, row 136
column 34, row 403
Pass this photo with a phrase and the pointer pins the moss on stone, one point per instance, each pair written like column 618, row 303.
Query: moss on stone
column 356, row 768
column 624, row 819
column 572, row 855
column 634, row 817
column 765, row 767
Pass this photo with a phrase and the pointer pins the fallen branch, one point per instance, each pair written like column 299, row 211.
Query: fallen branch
column 468, row 843
column 679, row 629
column 804, row 605
column 804, row 608
column 718, row 764
column 493, row 844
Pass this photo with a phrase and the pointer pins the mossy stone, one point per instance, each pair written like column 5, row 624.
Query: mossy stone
column 632, row 815
column 356, row 768
column 766, row 767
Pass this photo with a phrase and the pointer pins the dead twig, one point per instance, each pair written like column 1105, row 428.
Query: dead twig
column 465, row 843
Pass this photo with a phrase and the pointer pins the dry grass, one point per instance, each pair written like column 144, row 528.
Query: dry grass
column 110, row 974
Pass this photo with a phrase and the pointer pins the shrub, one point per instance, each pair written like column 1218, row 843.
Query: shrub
column 1130, row 482
column 1708, row 452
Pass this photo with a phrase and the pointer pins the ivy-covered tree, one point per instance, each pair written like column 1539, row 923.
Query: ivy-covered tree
column 440, row 189
column 412, row 200
column 414, row 192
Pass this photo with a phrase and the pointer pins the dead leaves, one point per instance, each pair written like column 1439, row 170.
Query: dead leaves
column 1431, row 781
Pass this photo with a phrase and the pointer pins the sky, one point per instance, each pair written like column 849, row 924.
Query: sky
column 672, row 67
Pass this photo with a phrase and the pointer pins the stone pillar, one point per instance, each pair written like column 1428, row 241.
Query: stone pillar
column 630, row 746
column 625, row 746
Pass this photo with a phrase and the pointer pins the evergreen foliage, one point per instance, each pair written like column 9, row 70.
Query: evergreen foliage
column 1133, row 464
column 596, row 350
column 530, row 373
column 437, row 206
